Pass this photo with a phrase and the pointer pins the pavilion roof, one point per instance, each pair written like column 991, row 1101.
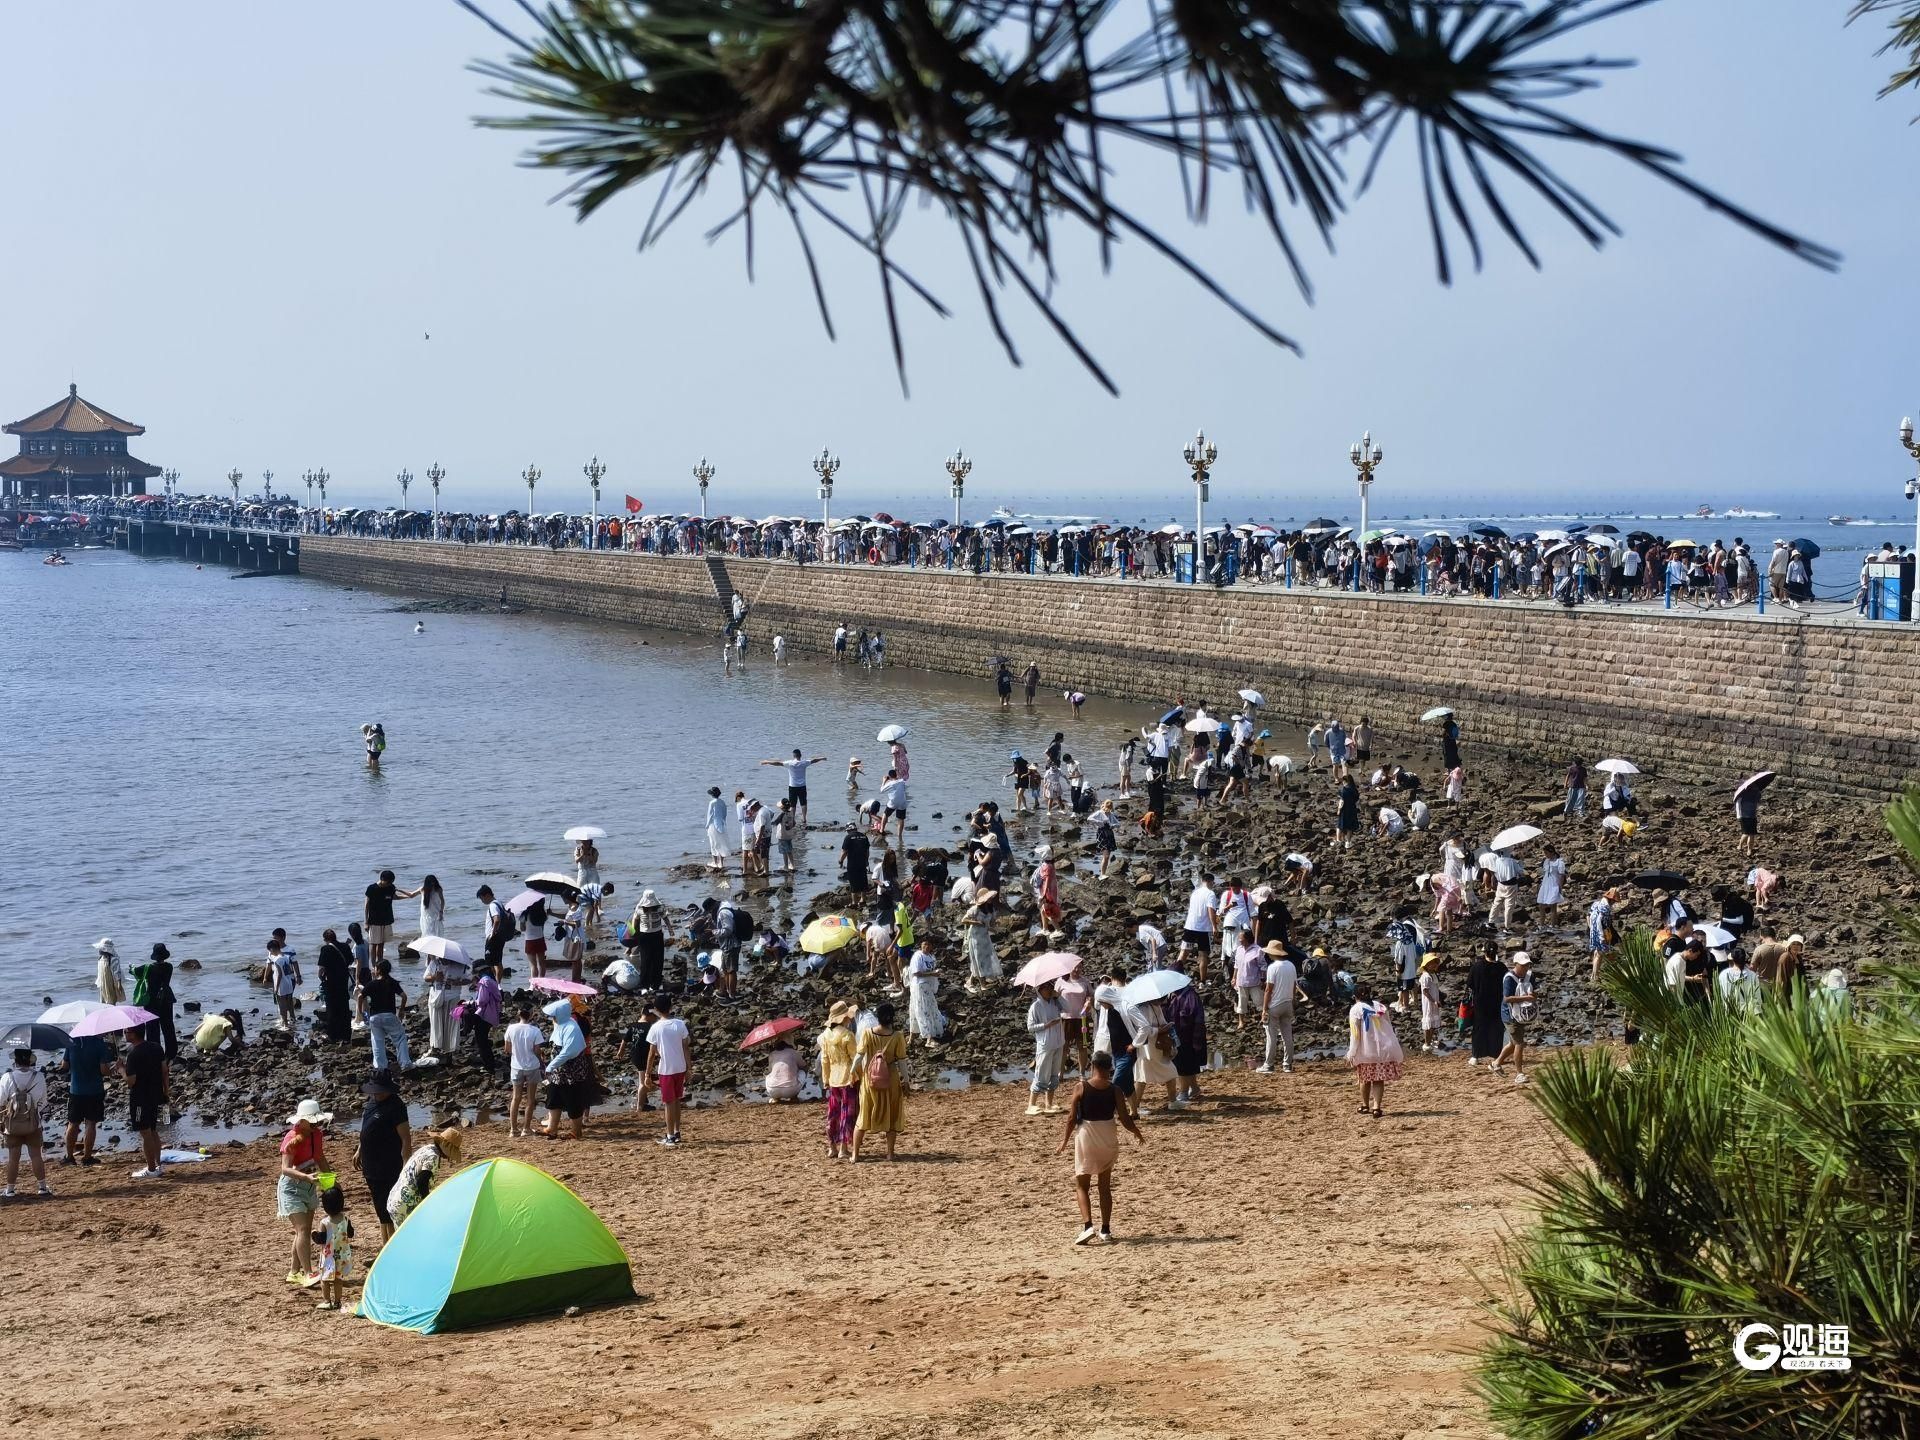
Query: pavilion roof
column 75, row 416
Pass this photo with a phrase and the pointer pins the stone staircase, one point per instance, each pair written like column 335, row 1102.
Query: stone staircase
column 722, row 585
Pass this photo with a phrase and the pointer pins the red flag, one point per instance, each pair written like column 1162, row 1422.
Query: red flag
column 633, row 506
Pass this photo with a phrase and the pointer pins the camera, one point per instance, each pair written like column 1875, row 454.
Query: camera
column 1913, row 489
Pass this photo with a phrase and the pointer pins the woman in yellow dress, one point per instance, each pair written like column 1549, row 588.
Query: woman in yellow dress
column 880, row 1057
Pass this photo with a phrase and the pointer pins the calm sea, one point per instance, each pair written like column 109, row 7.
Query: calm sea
column 184, row 764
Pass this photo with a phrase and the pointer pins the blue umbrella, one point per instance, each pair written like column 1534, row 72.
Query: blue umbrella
column 1174, row 716
column 1491, row 532
column 1807, row 548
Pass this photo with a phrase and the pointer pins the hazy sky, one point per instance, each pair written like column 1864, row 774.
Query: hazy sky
column 237, row 223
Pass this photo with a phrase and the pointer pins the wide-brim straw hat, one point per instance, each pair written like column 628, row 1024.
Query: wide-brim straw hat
column 841, row 1010
column 309, row 1111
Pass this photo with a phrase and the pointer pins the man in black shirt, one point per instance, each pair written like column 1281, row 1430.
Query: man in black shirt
column 378, row 914
column 1271, row 920
column 145, row 1068
column 854, row 851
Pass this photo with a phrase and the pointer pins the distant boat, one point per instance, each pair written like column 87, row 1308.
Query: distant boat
column 1851, row 520
column 1705, row 512
column 1042, row 521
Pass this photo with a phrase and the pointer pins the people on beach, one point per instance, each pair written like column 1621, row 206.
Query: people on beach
column 1517, row 1010
column 1373, row 1049
column 23, row 1095
column 110, row 980
column 425, row 1168
column 381, row 1145
column 839, row 1079
column 303, row 1155
column 1093, row 1115
column 335, row 1238
column 669, row 1062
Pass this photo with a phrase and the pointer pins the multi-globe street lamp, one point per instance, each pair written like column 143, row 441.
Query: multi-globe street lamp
column 434, row 476
column 704, row 473
column 1366, row 457
column 1200, row 457
column 959, row 467
column 532, row 476
column 825, row 465
column 595, row 473
column 234, row 477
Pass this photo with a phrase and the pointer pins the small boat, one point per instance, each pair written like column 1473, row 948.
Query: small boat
column 1705, row 512
column 56, row 559
column 1849, row 520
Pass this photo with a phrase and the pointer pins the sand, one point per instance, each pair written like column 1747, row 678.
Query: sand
column 1285, row 1267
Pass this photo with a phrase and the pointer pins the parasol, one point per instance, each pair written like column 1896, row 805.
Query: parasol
column 772, row 1029
column 441, row 948
column 1053, row 965
column 549, row 883
column 32, row 1035
column 1753, row 785
column 555, row 985
column 1253, row 697
column 1439, row 712
column 1515, row 835
column 1152, row 986
column 828, row 934
column 110, row 1018
column 1616, row 767
column 890, row 733
column 1671, row 881
column 585, row 832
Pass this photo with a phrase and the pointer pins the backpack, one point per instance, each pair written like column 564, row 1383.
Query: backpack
column 880, row 1069
column 22, row 1113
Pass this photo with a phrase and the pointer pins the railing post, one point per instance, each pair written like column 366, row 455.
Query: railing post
column 1289, row 570
column 1423, row 574
column 1669, row 602
column 1496, row 583
column 1759, row 595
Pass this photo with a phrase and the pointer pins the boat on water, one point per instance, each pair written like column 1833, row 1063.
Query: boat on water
column 1850, row 520
column 1014, row 517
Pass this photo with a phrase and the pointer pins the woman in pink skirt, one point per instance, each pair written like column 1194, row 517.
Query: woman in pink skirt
column 1372, row 1048
column 840, row 1079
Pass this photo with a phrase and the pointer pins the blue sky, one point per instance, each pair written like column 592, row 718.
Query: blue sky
column 237, row 224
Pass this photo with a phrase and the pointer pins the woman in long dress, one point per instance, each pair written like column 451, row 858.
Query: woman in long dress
column 982, row 963
column 586, row 863
column 109, row 978
column 878, row 1057
column 923, row 986
column 1483, row 991
column 1093, row 1118
column 1553, row 874
column 433, row 907
column 1152, row 1051
column 1373, row 1049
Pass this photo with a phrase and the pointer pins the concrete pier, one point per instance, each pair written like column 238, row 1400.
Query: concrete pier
column 272, row 551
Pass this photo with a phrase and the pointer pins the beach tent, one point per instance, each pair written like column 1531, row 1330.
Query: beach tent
column 498, row 1241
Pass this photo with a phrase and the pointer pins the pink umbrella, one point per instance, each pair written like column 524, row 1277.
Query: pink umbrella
column 110, row 1019
column 1050, row 966
column 561, row 987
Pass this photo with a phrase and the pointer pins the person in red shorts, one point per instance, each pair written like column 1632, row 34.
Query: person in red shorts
column 669, row 1059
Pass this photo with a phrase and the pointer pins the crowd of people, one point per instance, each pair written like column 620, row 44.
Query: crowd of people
column 1577, row 564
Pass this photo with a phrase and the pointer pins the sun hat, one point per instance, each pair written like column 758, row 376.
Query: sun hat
column 985, row 897
column 1273, row 948
column 449, row 1142
column 841, row 1010
column 1319, row 954
column 105, row 946
column 309, row 1111
column 160, row 952
column 1796, row 939
column 379, row 1083
column 1835, row 979
column 1428, row 961
column 1520, row 957
column 649, row 901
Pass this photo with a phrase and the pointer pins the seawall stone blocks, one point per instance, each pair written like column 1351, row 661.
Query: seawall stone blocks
column 1832, row 705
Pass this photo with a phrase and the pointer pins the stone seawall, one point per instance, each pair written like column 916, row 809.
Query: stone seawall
column 1833, row 705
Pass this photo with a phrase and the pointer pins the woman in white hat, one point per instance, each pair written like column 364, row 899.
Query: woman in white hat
column 647, row 933
column 977, row 922
column 108, row 976
column 303, row 1155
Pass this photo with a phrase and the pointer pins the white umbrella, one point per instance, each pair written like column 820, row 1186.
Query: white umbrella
column 585, row 832
column 1755, row 783
column 71, row 1013
column 443, row 948
column 1154, row 985
column 524, row 902
column 1717, row 938
column 1201, row 725
column 1253, row 697
column 890, row 733
column 1438, row 712
column 1617, row 767
column 1515, row 835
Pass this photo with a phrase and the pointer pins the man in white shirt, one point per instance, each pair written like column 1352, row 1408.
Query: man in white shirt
column 1154, row 942
column 523, row 1069
column 1197, row 933
column 1276, row 1004
column 796, row 769
column 669, row 1059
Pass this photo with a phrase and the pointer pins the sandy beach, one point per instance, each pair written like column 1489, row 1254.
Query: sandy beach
column 1284, row 1267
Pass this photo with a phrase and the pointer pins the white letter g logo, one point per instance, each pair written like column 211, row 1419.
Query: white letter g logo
column 1755, row 1357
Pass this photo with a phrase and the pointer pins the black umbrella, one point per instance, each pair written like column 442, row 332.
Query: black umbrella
column 1668, row 880
column 1320, row 523
column 1490, row 532
column 1601, row 529
column 1754, row 784
column 34, row 1036
column 1807, row 548
column 1635, row 537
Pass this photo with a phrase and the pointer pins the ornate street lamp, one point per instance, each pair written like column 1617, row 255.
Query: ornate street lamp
column 234, row 477
column 825, row 465
column 167, row 478
column 66, row 474
column 959, row 467
column 320, row 478
column 1200, row 456
column 595, row 473
column 115, row 475
column 266, row 481
column 307, row 475
column 434, row 476
column 704, row 473
column 532, row 476
column 1366, row 457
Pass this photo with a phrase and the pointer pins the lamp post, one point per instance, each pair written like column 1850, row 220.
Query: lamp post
column 825, row 465
column 434, row 476
column 1913, row 488
column 1366, row 457
column 405, row 477
column 115, row 475
column 320, row 478
column 959, row 467
column 266, row 481
column 1200, row 456
column 595, row 473
column 307, row 475
column 167, row 478
column 234, row 477
column 66, row 474
column 704, row 473
column 532, row 476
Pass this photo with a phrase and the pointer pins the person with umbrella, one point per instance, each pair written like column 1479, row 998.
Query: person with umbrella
column 23, row 1094
column 87, row 1058
column 1096, row 1109
column 385, row 1139
column 1048, row 1029
column 1746, row 809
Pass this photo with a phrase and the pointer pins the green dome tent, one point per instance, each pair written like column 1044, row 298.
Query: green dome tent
column 497, row 1241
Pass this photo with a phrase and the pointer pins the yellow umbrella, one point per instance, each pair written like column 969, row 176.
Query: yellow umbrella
column 828, row 934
